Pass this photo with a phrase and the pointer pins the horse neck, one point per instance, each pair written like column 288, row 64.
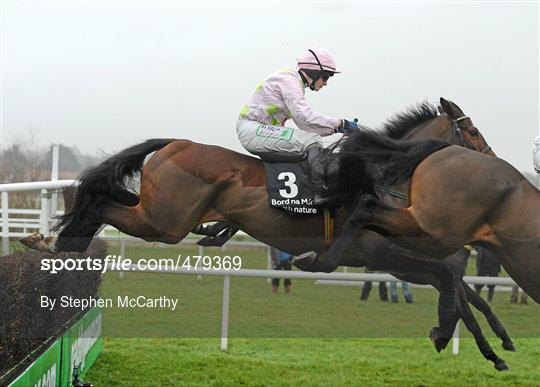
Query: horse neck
column 439, row 128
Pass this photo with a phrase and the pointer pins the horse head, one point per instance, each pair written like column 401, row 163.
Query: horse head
column 464, row 129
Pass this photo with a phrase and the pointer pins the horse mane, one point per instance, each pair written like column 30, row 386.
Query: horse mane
column 370, row 157
column 402, row 123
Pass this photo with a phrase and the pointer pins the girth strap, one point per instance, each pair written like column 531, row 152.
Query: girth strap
column 328, row 216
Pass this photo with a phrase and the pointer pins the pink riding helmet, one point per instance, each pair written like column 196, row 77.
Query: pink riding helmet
column 310, row 59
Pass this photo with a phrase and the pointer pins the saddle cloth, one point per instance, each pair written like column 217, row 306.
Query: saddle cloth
column 289, row 188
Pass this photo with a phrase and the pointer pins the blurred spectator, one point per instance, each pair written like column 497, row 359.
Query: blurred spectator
column 514, row 296
column 487, row 265
column 366, row 289
column 281, row 261
column 406, row 292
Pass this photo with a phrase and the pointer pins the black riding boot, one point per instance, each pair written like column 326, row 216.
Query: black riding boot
column 317, row 174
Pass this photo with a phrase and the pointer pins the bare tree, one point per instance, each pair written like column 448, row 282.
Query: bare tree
column 21, row 162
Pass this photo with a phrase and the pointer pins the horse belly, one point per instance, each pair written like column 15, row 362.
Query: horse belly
column 249, row 208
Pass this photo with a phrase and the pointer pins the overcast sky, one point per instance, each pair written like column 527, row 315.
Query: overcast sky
column 107, row 75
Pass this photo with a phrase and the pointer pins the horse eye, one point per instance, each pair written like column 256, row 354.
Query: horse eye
column 474, row 133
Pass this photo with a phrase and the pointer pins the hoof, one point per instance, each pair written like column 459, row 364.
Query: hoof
column 212, row 241
column 502, row 366
column 508, row 346
column 38, row 242
column 32, row 240
column 305, row 261
column 437, row 340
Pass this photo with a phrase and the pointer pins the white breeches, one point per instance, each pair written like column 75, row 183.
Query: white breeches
column 262, row 138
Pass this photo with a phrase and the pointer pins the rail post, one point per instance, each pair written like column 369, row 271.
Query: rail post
column 5, row 223
column 455, row 340
column 54, row 177
column 225, row 312
column 45, row 216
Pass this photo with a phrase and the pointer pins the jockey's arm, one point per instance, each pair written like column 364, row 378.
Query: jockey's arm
column 302, row 114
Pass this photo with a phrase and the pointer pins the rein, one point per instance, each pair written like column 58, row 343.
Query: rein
column 392, row 192
column 459, row 133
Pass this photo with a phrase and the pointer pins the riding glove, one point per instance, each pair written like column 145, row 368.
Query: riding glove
column 348, row 126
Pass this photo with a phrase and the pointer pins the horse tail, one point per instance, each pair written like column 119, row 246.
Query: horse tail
column 370, row 157
column 108, row 179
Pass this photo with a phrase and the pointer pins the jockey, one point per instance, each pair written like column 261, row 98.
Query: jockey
column 261, row 126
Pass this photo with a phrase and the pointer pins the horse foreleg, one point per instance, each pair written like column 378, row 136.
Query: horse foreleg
column 374, row 213
column 493, row 321
column 369, row 212
column 472, row 325
column 211, row 230
column 220, row 238
column 333, row 258
column 381, row 254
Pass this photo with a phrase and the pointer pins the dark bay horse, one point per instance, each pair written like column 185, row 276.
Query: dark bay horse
column 456, row 197
column 185, row 184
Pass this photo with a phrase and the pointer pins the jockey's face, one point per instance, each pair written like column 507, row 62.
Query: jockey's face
column 320, row 83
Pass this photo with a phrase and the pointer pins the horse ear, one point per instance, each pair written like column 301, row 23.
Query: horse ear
column 451, row 108
column 445, row 105
column 440, row 109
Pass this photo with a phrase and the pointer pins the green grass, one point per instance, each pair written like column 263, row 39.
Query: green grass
column 327, row 362
column 318, row 335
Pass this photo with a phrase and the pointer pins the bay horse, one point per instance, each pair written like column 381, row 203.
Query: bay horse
column 456, row 197
column 185, row 184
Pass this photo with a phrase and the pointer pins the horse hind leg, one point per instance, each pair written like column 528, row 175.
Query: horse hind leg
column 77, row 234
column 169, row 211
column 133, row 220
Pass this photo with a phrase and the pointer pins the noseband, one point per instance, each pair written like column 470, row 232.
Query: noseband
column 459, row 133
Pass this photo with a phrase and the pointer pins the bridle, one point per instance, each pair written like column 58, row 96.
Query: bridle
column 459, row 133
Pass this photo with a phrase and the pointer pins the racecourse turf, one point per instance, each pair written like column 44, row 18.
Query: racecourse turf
column 318, row 335
column 311, row 362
